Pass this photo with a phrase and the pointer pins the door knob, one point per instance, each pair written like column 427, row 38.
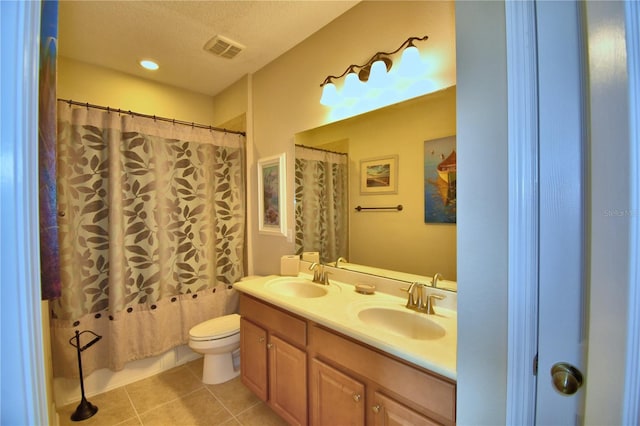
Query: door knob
column 566, row 378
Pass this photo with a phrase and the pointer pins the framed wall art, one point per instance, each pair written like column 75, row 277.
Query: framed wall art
column 272, row 218
column 440, row 180
column 379, row 175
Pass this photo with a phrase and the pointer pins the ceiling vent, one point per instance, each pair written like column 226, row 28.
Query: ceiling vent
column 224, row 47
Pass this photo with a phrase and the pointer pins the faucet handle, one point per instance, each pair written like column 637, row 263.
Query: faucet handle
column 411, row 303
column 318, row 272
column 431, row 303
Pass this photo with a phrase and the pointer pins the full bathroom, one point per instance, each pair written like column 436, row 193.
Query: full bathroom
column 381, row 326
column 194, row 288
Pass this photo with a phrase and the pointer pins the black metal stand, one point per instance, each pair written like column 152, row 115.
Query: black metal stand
column 85, row 409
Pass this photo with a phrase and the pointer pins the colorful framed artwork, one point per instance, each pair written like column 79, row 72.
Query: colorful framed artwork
column 272, row 195
column 440, row 180
column 379, row 175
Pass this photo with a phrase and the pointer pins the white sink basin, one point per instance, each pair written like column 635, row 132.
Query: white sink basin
column 407, row 323
column 296, row 287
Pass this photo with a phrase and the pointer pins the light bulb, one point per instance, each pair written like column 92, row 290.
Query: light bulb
column 329, row 95
column 353, row 87
column 410, row 63
column 378, row 74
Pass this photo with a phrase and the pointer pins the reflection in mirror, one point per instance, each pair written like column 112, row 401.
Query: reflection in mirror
column 389, row 242
column 321, row 202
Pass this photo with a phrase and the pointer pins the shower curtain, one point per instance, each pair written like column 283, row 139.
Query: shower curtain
column 152, row 229
column 321, row 202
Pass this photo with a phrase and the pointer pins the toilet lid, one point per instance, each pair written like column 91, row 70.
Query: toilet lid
column 216, row 327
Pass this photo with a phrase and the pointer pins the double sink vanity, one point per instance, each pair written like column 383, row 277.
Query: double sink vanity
column 329, row 355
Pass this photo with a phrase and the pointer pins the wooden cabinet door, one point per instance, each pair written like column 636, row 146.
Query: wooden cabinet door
column 336, row 399
column 387, row 412
column 253, row 358
column 288, row 381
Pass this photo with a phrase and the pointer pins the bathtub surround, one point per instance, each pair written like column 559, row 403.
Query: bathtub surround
column 152, row 233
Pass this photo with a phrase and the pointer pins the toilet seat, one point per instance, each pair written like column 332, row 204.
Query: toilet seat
column 216, row 328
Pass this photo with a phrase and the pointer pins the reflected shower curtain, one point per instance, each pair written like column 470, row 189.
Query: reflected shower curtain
column 152, row 222
column 321, row 202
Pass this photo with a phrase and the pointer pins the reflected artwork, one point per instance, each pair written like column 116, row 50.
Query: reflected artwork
column 440, row 180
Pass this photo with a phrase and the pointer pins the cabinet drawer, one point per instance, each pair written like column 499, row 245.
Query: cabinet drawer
column 432, row 394
column 278, row 322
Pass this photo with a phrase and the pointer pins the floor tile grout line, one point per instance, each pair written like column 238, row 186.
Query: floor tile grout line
column 135, row 410
column 222, row 404
column 236, row 417
column 177, row 398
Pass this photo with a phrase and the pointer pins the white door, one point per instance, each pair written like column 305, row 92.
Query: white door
column 586, row 213
column 562, row 183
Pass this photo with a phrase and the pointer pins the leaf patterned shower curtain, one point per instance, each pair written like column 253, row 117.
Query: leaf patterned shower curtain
column 152, row 224
column 321, row 202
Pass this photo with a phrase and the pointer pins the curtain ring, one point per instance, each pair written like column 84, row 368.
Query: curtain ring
column 108, row 110
column 87, row 106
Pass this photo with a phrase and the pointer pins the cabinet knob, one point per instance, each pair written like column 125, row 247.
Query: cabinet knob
column 356, row 397
column 269, row 345
column 376, row 408
column 261, row 340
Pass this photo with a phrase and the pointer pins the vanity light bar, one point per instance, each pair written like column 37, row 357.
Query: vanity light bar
column 372, row 72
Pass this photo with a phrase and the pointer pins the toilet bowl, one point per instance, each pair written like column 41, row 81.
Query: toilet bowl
column 218, row 339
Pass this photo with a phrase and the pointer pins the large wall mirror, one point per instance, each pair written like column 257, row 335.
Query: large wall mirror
column 374, row 236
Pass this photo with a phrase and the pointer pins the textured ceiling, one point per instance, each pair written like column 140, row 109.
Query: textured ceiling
column 117, row 34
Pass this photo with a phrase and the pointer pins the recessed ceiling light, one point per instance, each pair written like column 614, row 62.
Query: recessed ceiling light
column 148, row 64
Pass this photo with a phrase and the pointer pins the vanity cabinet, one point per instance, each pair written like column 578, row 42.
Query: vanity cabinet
column 253, row 358
column 349, row 383
column 387, row 412
column 336, row 399
column 395, row 392
column 273, row 359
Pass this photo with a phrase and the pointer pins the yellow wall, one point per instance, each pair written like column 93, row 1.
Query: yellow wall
column 83, row 82
column 396, row 240
column 285, row 94
column 231, row 105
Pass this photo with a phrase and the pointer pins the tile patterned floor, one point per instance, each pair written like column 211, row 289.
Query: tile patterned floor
column 177, row 397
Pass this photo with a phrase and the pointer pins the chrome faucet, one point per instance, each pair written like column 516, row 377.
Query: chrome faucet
column 340, row 259
column 434, row 280
column 320, row 276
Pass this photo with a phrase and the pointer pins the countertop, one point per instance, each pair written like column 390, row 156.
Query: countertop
column 338, row 310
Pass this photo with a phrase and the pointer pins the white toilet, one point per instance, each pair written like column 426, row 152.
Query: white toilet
column 219, row 340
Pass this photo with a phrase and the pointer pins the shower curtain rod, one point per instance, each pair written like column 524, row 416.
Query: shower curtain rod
column 320, row 149
column 138, row 114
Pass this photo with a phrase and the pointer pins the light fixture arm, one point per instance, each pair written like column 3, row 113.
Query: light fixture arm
column 384, row 56
column 333, row 77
